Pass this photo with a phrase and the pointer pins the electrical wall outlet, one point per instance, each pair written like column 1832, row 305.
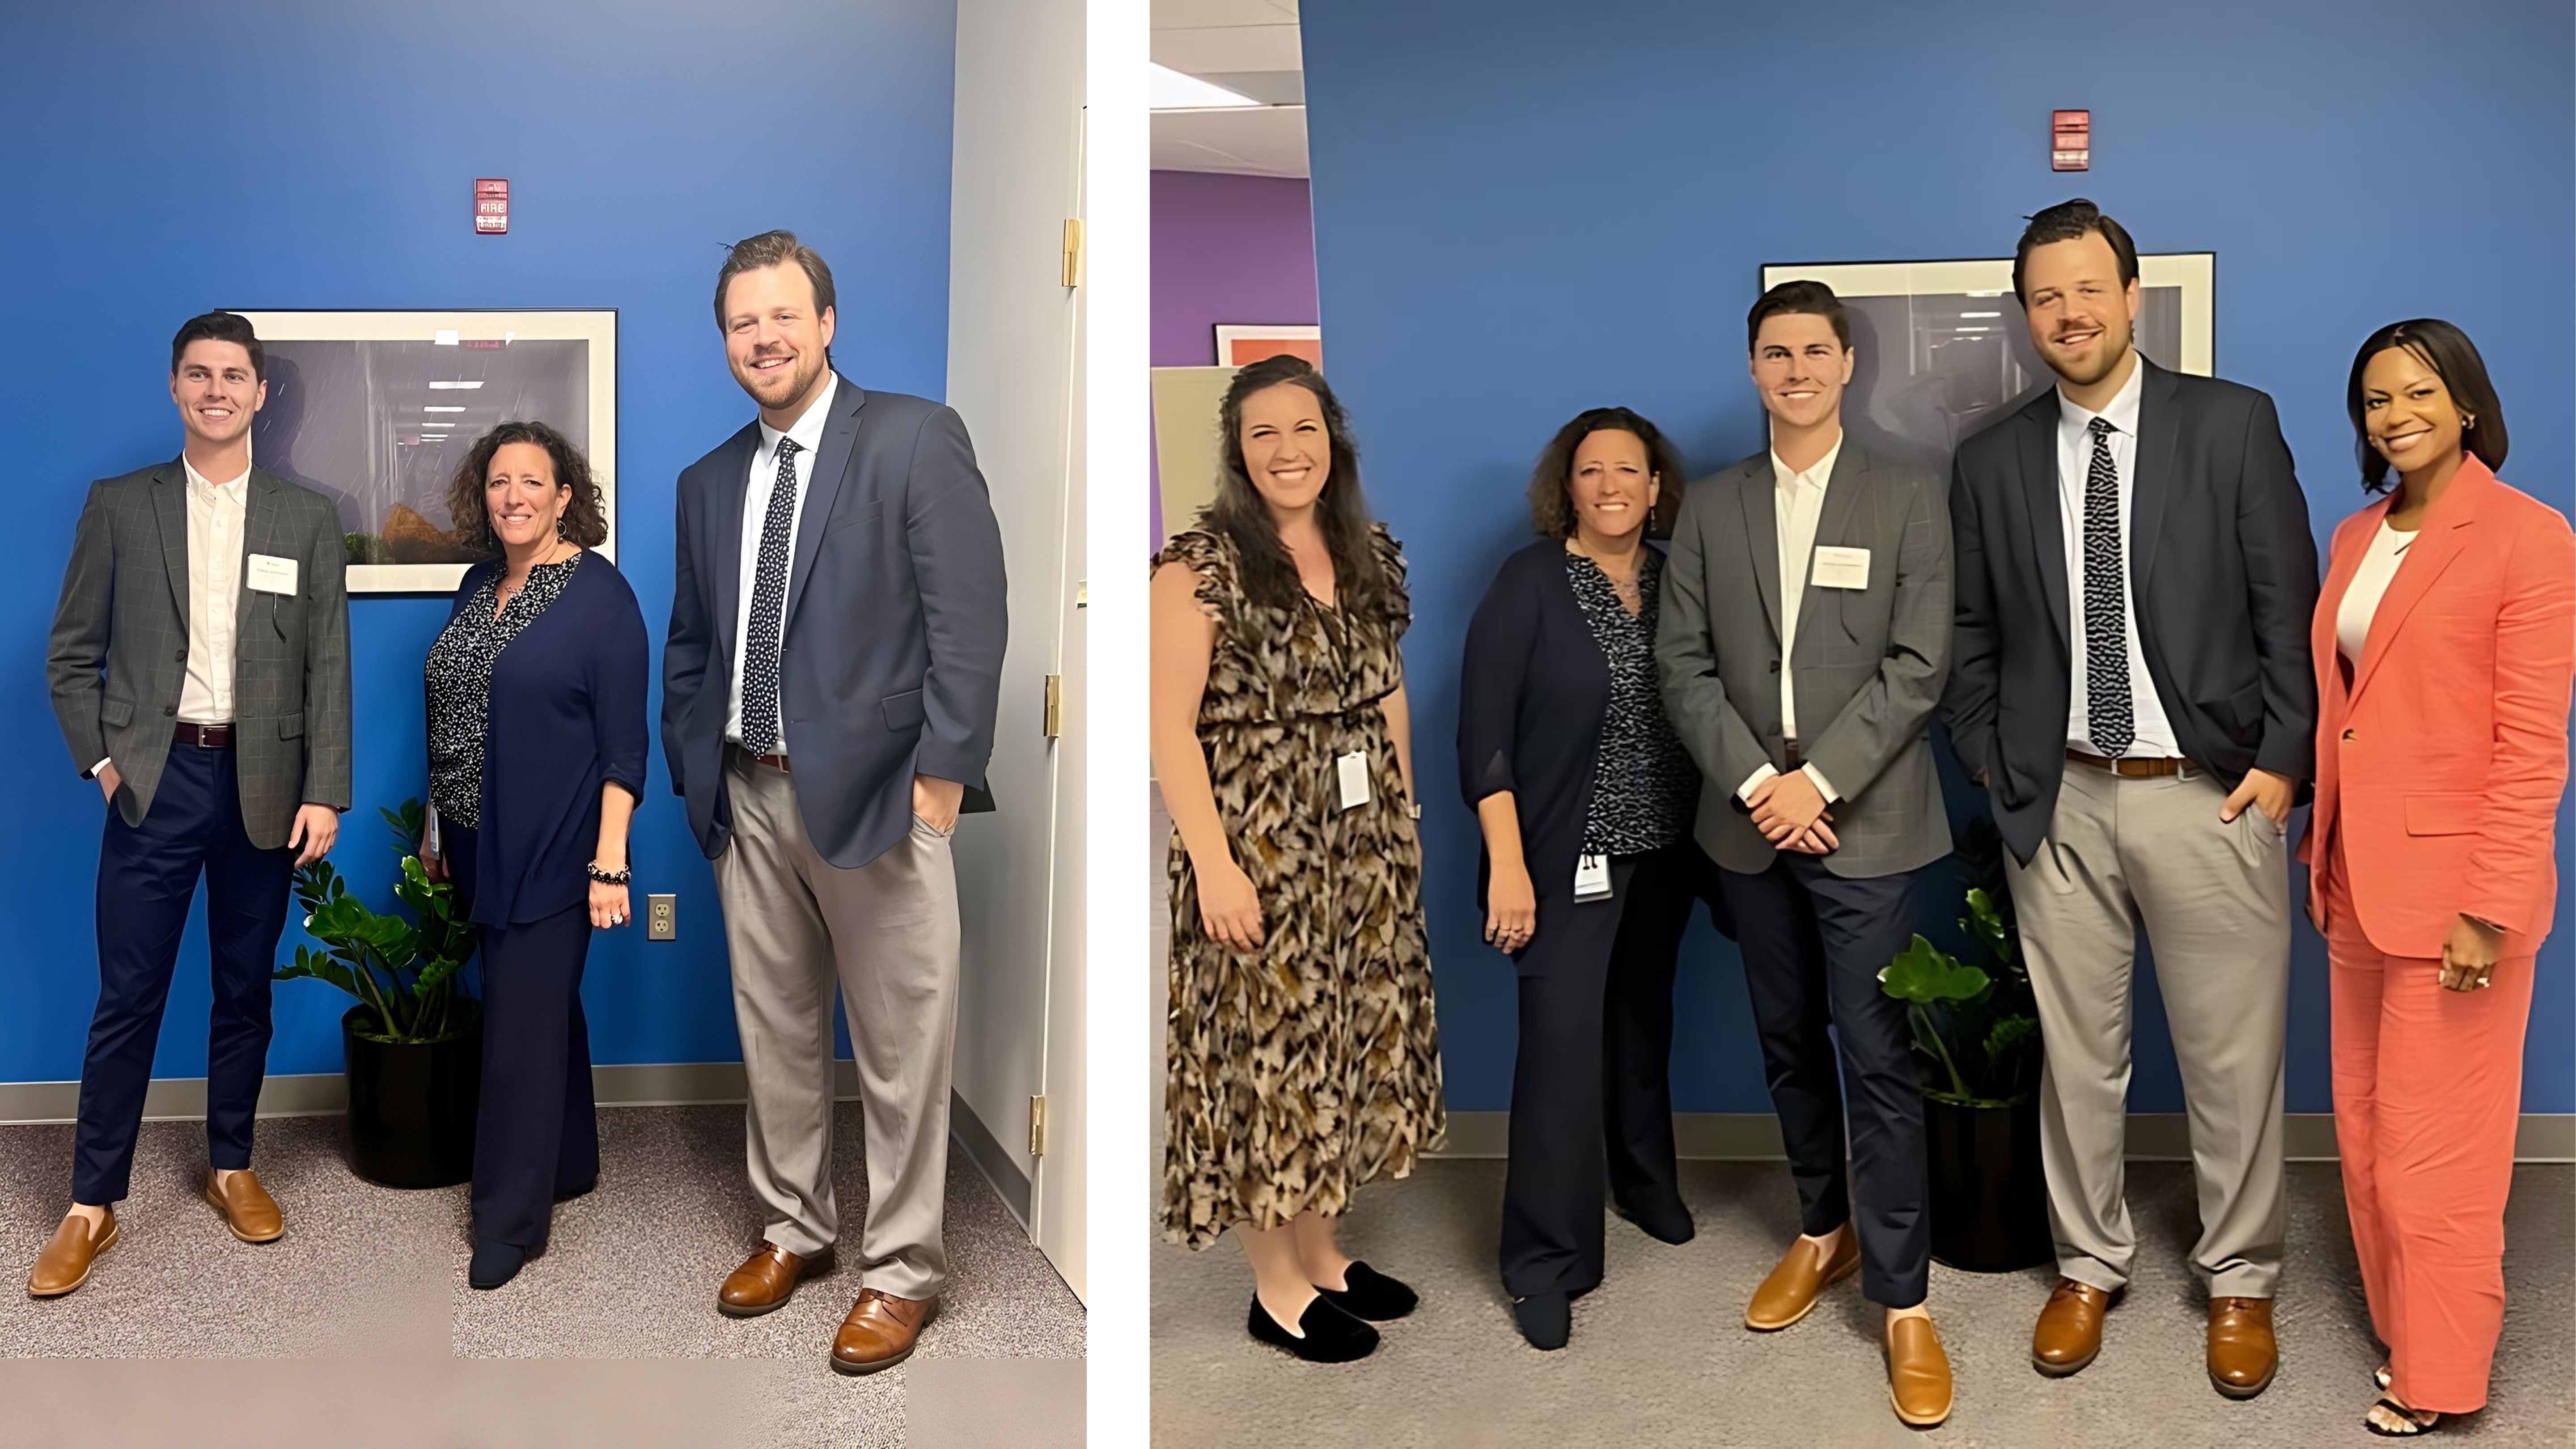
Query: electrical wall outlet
column 661, row 918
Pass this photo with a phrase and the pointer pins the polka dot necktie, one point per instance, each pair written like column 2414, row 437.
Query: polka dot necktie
column 760, row 732
column 2106, row 605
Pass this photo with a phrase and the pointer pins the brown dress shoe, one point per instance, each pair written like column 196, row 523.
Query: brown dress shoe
column 64, row 1264
column 1802, row 1275
column 247, row 1208
column 1918, row 1373
column 2243, row 1355
column 2069, row 1334
column 880, row 1331
column 767, row 1280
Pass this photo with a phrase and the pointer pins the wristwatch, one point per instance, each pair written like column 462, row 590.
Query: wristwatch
column 1412, row 809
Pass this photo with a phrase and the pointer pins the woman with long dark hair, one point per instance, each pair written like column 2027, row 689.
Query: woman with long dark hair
column 2445, row 645
column 536, row 763
column 1303, row 1058
column 1586, row 797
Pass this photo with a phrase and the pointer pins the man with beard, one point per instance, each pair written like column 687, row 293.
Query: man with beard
column 829, row 685
column 200, row 672
column 2129, row 681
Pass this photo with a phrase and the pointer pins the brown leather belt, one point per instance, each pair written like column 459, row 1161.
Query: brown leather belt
column 2153, row 769
column 775, row 762
column 203, row 736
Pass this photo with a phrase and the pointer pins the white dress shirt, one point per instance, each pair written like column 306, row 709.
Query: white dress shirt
column 215, row 521
column 1800, row 503
column 2369, row 585
column 2154, row 731
column 808, row 436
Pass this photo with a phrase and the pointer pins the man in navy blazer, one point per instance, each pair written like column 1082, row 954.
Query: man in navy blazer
column 829, row 685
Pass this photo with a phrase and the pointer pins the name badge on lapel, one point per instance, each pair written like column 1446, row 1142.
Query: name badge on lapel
column 1354, row 772
column 1841, row 568
column 270, row 574
column 1592, row 878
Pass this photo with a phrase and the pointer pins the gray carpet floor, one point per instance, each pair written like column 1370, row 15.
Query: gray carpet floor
column 1660, row 1355
column 377, row 1275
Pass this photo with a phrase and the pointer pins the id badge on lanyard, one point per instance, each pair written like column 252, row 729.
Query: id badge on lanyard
column 1592, row 878
column 1353, row 770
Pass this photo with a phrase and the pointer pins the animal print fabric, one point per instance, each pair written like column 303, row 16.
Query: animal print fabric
column 1306, row 1069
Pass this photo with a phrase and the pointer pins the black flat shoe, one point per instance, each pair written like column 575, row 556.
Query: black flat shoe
column 1668, row 1224
column 1546, row 1319
column 1331, row 1336
column 1370, row 1294
column 494, row 1263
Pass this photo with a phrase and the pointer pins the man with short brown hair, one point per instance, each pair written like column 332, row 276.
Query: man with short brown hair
column 200, row 672
column 829, row 685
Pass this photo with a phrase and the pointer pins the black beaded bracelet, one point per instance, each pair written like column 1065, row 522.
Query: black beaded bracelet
column 610, row 877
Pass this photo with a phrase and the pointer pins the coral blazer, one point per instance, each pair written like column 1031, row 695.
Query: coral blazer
column 2441, row 760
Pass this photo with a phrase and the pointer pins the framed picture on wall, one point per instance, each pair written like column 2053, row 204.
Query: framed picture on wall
column 1238, row 345
column 377, row 409
column 1942, row 347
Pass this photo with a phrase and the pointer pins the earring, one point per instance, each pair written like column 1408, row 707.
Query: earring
column 2468, row 422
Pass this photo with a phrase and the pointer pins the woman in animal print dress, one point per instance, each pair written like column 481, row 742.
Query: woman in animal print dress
column 1304, row 1061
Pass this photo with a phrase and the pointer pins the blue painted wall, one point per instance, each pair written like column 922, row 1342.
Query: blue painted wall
column 1524, row 208
column 290, row 153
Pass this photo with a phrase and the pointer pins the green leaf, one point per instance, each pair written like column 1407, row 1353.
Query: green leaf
column 1923, row 973
column 2009, row 1033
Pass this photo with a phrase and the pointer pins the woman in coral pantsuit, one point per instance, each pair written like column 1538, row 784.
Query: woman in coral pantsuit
column 2445, row 640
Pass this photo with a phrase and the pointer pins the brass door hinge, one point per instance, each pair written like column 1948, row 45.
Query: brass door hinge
column 1073, row 251
column 1054, row 705
column 1037, row 1126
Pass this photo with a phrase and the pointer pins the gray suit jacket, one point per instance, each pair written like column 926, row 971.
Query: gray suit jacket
column 891, row 665
column 118, row 654
column 1870, row 662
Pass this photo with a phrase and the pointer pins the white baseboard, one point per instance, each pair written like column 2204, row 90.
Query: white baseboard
column 2153, row 1136
column 658, row 1084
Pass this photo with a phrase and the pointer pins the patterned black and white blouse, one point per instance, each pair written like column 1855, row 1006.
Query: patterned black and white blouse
column 1645, row 785
column 460, row 684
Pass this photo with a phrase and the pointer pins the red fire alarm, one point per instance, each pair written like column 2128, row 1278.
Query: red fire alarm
column 2070, row 141
column 491, row 205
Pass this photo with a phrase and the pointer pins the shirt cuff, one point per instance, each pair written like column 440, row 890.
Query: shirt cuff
column 1753, row 782
column 101, row 765
column 1817, row 778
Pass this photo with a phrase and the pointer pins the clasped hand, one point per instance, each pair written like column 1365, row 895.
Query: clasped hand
column 1790, row 812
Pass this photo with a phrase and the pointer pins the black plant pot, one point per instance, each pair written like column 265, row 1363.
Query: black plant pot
column 412, row 1105
column 1989, row 1197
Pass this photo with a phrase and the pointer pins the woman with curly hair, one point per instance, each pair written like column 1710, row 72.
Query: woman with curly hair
column 536, row 762
column 1585, row 796
column 1303, row 1058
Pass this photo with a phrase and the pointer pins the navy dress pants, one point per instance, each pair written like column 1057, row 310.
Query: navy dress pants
column 1813, row 947
column 1592, row 1097
column 147, row 879
column 536, row 1136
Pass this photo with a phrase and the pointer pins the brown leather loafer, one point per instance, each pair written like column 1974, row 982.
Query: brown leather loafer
column 1802, row 1275
column 767, row 1280
column 65, row 1263
column 1918, row 1373
column 2243, row 1354
column 2069, row 1334
column 247, row 1208
column 880, row 1331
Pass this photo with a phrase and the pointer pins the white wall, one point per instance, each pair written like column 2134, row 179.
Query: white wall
column 1012, row 350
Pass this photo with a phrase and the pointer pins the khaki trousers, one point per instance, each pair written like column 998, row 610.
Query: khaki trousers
column 887, row 935
column 2214, row 897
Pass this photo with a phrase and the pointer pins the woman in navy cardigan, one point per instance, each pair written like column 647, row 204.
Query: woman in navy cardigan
column 536, row 763
column 1585, row 796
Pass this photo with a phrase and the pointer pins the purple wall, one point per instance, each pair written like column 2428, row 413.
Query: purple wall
column 1226, row 249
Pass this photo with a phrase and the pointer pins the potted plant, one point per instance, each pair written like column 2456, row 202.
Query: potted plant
column 414, row 1041
column 1976, row 1042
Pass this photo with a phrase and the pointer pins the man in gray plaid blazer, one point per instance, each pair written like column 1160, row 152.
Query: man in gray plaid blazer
column 200, row 670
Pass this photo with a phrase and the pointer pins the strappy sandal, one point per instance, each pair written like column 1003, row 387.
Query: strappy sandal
column 2404, row 1415
column 2383, row 1377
